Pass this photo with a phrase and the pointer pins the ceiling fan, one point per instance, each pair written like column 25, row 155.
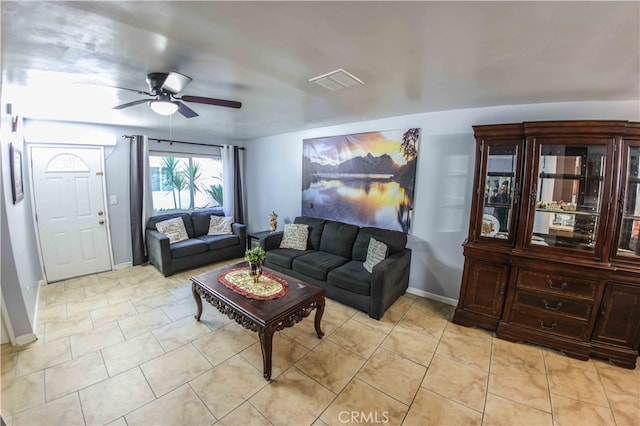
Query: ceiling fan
column 164, row 87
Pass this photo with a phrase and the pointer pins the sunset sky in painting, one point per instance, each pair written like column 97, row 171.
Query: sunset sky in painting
column 336, row 149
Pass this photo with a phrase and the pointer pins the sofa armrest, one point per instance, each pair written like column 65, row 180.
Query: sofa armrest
column 240, row 230
column 389, row 280
column 158, row 250
column 271, row 241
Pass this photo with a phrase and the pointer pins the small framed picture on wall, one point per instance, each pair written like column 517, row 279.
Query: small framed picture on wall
column 15, row 158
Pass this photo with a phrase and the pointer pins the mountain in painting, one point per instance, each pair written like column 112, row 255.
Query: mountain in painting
column 368, row 164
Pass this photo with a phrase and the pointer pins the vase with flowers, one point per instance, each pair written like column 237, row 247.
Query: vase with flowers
column 255, row 257
column 273, row 221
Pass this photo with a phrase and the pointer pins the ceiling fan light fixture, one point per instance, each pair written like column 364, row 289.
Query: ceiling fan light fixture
column 163, row 107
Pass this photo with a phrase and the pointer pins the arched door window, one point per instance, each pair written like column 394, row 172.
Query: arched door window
column 66, row 162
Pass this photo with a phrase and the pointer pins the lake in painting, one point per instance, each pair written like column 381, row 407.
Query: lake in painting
column 366, row 179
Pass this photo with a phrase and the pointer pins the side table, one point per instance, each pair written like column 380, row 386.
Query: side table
column 256, row 236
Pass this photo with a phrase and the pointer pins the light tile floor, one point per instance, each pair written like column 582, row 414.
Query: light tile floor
column 123, row 348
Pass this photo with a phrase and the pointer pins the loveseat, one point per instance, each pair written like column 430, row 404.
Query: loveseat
column 334, row 259
column 199, row 249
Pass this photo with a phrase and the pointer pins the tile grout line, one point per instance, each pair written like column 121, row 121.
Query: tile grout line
column 486, row 393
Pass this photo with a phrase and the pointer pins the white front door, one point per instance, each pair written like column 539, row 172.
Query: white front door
column 70, row 212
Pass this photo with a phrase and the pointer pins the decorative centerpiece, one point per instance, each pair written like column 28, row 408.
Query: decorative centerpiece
column 255, row 257
column 273, row 221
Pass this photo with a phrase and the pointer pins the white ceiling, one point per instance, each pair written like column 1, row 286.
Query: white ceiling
column 412, row 56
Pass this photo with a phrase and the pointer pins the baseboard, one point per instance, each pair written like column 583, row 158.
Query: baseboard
column 36, row 316
column 26, row 338
column 6, row 324
column 29, row 337
column 4, row 333
column 432, row 296
column 124, row 265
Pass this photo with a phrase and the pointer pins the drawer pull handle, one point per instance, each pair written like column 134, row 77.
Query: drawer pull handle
column 553, row 308
column 562, row 286
column 548, row 327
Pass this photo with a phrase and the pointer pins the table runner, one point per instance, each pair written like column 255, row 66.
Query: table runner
column 268, row 286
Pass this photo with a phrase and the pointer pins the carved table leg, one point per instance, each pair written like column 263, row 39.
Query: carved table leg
column 266, row 340
column 319, row 312
column 196, row 296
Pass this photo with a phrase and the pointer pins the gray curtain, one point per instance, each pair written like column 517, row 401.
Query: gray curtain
column 238, row 198
column 139, row 196
column 233, row 192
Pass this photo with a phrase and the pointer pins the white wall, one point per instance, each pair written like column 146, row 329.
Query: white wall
column 443, row 183
column 20, row 272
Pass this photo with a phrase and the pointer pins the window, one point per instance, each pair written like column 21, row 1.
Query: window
column 185, row 182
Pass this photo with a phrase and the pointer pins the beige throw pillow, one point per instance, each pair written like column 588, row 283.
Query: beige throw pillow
column 219, row 225
column 376, row 253
column 295, row 236
column 174, row 229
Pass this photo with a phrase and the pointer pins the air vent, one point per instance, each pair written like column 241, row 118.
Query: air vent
column 338, row 79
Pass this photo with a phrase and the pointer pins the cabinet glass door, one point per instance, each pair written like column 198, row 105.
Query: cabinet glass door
column 569, row 191
column 500, row 191
column 628, row 245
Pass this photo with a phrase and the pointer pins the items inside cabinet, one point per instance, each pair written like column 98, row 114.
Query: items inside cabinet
column 499, row 186
column 630, row 226
column 569, row 193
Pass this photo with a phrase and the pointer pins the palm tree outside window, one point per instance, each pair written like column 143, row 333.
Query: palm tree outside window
column 184, row 182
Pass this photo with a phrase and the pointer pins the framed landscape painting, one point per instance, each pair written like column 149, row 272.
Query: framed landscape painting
column 15, row 163
column 366, row 179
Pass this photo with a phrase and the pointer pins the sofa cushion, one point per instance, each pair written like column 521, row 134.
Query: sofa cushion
column 186, row 218
column 188, row 248
column 295, row 236
column 219, row 225
column 174, row 229
column 284, row 257
column 317, row 264
column 315, row 230
column 215, row 242
column 376, row 253
column 337, row 238
column 202, row 218
column 351, row 276
column 395, row 241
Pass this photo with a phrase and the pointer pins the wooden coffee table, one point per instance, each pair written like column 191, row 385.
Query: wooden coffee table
column 263, row 316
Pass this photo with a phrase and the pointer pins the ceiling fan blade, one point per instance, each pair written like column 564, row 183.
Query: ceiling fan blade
column 186, row 111
column 211, row 101
column 140, row 92
column 175, row 82
column 172, row 82
column 130, row 104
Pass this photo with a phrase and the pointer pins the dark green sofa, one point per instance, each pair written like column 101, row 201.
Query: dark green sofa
column 200, row 249
column 334, row 260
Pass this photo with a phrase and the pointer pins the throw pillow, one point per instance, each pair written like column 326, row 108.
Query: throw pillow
column 174, row 229
column 219, row 225
column 376, row 253
column 295, row 236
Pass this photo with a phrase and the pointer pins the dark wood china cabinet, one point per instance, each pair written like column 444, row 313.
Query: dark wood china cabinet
column 553, row 256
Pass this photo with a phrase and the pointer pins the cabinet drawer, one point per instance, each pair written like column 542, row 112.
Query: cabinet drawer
column 551, row 324
column 558, row 284
column 553, row 305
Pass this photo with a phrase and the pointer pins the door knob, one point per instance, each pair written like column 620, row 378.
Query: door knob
column 101, row 222
column 100, row 213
